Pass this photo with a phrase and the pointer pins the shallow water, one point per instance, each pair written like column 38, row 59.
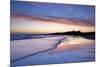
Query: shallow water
column 58, row 49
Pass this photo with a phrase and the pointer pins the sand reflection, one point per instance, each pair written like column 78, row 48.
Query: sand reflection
column 71, row 42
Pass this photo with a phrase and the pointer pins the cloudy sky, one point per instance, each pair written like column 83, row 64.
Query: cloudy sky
column 35, row 17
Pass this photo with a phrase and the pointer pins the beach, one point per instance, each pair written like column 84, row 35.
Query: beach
column 52, row 50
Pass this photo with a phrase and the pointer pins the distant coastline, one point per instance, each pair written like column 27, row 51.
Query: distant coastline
column 87, row 35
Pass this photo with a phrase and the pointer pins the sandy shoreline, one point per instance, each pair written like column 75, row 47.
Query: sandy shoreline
column 52, row 50
column 24, row 48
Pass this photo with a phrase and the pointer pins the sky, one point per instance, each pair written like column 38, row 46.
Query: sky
column 38, row 17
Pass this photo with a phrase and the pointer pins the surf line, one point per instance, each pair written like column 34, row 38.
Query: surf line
column 56, row 45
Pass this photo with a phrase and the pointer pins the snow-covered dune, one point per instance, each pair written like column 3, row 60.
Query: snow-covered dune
column 23, row 48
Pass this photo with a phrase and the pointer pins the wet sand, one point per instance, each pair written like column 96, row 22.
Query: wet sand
column 68, row 49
